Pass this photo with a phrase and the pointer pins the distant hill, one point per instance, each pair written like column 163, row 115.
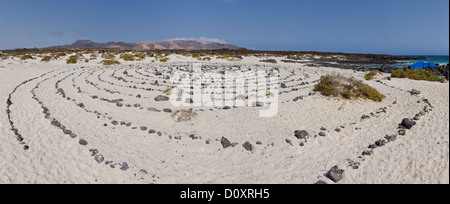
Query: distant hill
column 164, row 45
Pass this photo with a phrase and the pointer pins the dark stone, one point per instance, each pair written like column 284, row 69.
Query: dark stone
column 257, row 104
column 321, row 182
column 167, row 110
column 193, row 137
column 380, row 143
column 247, row 146
column 161, row 98
column 115, row 123
column 234, row 144
column 225, row 142
column 189, row 100
column 322, row 134
column 227, row 108
column 152, row 131
column 414, row 92
column 364, row 117
column 273, row 61
column 143, row 128
column 372, row 146
column 391, row 138
column 283, row 85
column 338, row 130
column 56, row 123
column 387, row 69
column 408, row 123
column 26, row 147
column 67, row 132
column 367, row 153
column 99, row 158
column 259, row 143
column 402, row 132
column 335, row 174
column 93, row 151
column 159, row 133
column 83, row 142
column 301, row 134
column 124, row 167
column 81, row 105
column 323, row 129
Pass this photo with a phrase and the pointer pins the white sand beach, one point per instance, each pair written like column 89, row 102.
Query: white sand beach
column 95, row 97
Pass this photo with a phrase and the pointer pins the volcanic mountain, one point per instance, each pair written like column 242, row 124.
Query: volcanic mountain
column 163, row 45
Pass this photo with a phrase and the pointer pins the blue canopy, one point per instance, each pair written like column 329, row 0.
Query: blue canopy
column 422, row 65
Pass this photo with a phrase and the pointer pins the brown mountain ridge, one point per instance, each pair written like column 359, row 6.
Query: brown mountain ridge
column 163, row 45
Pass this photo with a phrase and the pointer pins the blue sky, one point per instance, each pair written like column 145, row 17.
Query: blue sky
column 402, row 27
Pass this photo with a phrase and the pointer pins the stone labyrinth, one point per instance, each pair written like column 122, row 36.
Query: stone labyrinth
column 122, row 98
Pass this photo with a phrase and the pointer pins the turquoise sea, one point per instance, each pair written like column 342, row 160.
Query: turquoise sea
column 437, row 59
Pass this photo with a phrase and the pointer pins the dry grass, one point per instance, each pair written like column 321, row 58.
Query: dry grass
column 349, row 88
column 72, row 59
column 420, row 74
column 59, row 54
column 371, row 75
column 26, row 57
column 108, row 56
column 127, row 57
column 46, row 59
column 184, row 115
column 110, row 62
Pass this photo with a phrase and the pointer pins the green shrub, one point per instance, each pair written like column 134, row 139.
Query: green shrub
column 348, row 88
column 371, row 75
column 60, row 54
column 26, row 57
column 207, row 59
column 419, row 74
column 164, row 59
column 110, row 62
column 46, row 59
column 72, row 59
column 141, row 55
column 195, row 55
column 108, row 56
column 127, row 57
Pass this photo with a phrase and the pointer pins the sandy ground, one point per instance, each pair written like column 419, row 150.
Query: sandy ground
column 171, row 156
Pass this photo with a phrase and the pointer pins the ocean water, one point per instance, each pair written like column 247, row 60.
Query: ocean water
column 437, row 59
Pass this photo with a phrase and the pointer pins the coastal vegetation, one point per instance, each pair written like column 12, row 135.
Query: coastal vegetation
column 72, row 59
column 26, row 57
column 110, row 62
column 335, row 85
column 419, row 74
column 46, row 59
column 108, row 56
column 127, row 57
column 371, row 75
